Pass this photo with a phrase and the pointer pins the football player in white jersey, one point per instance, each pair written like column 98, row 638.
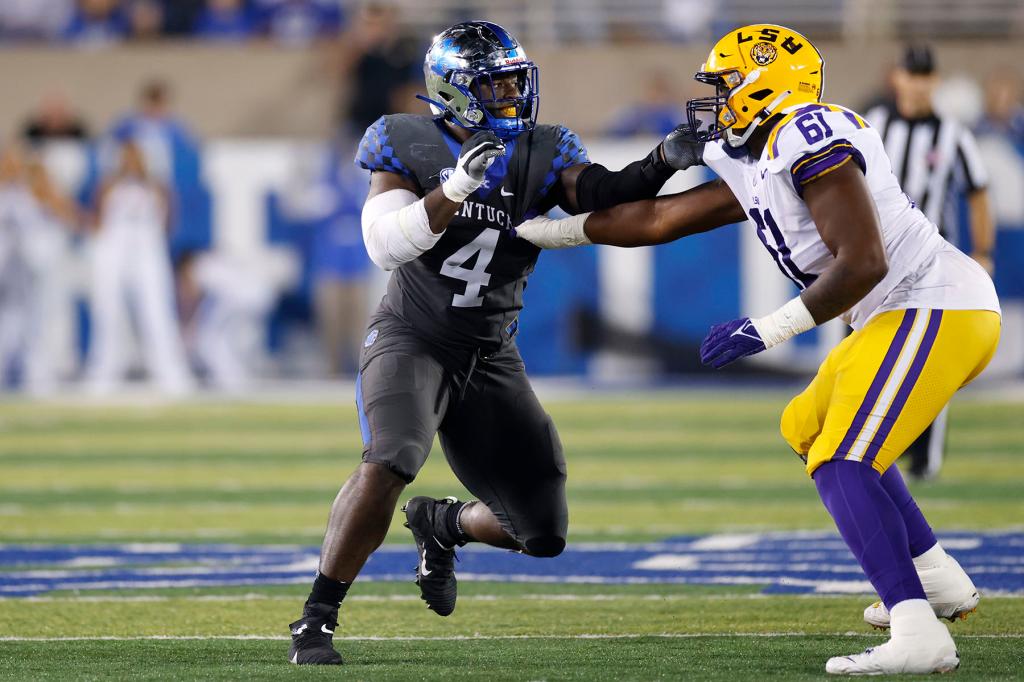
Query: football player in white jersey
column 816, row 184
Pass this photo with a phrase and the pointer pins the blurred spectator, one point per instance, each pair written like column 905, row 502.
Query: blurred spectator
column 656, row 114
column 1004, row 109
column 1001, row 139
column 145, row 20
column 131, row 280
column 34, row 222
column 28, row 20
column 172, row 157
column 172, row 153
column 339, row 265
column 380, row 66
column 298, row 23
column 54, row 119
column 225, row 20
column 180, row 16
column 96, row 23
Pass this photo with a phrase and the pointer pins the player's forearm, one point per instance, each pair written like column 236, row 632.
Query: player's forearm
column 640, row 223
column 440, row 210
column 842, row 286
column 665, row 219
column 983, row 233
column 597, row 188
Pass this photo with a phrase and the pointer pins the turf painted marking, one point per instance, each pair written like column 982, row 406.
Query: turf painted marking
column 471, row 638
column 795, row 562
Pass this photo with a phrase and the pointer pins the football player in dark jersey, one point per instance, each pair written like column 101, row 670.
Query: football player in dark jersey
column 439, row 355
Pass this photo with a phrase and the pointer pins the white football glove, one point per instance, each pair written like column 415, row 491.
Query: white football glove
column 475, row 157
column 554, row 234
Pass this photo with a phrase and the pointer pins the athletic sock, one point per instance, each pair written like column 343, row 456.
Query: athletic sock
column 327, row 591
column 451, row 530
column 872, row 527
column 919, row 534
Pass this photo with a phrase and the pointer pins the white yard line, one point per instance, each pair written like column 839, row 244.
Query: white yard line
column 113, row 599
column 470, row 638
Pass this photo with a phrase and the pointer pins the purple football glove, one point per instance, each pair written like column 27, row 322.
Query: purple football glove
column 730, row 341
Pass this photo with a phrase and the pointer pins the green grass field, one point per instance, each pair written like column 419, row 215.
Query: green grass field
column 641, row 468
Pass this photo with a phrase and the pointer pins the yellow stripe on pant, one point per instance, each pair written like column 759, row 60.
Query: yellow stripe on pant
column 885, row 383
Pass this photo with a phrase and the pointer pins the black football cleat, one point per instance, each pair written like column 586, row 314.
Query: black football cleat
column 312, row 636
column 435, row 572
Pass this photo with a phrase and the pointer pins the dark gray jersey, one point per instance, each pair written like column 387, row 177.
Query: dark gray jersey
column 468, row 288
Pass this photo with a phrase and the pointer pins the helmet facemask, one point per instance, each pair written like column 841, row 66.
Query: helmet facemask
column 462, row 69
column 714, row 118
column 710, row 117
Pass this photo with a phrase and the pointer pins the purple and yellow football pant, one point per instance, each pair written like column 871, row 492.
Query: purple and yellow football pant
column 885, row 383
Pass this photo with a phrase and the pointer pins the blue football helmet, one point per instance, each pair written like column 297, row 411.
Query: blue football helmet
column 460, row 69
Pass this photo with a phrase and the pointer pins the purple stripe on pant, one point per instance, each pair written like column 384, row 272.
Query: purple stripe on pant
column 888, row 362
column 906, row 387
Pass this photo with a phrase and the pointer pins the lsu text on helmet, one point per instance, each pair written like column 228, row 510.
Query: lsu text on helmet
column 757, row 70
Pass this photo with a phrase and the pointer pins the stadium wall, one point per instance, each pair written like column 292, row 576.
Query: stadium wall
column 260, row 90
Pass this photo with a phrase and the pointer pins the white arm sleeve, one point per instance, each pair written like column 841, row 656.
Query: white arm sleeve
column 396, row 228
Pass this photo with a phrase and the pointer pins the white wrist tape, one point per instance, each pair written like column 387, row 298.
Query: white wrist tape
column 555, row 234
column 396, row 228
column 459, row 186
column 791, row 319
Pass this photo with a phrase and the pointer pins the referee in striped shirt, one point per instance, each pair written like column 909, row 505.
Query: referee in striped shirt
column 935, row 159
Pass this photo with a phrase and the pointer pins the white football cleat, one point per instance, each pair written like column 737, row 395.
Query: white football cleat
column 920, row 644
column 949, row 589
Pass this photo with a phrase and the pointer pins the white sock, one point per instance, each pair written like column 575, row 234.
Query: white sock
column 911, row 617
column 932, row 557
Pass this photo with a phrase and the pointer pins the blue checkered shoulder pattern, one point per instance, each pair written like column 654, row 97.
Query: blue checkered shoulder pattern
column 569, row 152
column 375, row 151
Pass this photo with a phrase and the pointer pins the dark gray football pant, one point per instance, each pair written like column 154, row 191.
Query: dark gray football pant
column 497, row 438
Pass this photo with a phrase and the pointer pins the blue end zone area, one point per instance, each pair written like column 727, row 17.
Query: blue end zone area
column 801, row 562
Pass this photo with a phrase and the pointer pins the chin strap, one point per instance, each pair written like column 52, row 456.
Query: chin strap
column 762, row 116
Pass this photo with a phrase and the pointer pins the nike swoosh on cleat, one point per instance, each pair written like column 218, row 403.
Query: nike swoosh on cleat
column 423, row 563
column 323, row 629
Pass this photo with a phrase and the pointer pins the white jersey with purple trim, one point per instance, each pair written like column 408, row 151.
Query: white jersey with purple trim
column 812, row 140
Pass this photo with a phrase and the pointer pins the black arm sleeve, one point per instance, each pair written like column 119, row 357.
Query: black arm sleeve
column 597, row 187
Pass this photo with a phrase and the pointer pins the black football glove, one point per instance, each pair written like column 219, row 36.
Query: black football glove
column 681, row 150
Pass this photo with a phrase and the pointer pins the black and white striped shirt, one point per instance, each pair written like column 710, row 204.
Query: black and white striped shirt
column 931, row 156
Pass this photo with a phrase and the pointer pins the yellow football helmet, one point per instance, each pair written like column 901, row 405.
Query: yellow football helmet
column 757, row 70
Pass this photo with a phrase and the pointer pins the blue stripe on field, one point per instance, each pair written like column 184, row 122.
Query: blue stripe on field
column 801, row 562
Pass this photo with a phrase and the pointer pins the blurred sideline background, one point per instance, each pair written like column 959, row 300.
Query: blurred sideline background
column 248, row 111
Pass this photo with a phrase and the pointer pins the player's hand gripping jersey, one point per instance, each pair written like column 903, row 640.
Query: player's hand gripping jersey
column 468, row 288
column 812, row 140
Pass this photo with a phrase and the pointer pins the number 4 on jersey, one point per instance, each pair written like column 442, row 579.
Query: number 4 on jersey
column 477, row 277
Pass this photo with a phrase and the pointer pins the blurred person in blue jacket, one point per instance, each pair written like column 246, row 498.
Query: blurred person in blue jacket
column 327, row 214
column 225, row 21
column 96, row 23
column 171, row 151
column 172, row 157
